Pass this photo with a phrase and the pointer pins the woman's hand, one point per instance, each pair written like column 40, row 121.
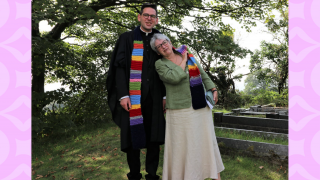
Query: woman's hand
column 215, row 95
column 184, row 56
column 184, row 60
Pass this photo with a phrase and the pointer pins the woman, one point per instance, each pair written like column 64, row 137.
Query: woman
column 191, row 151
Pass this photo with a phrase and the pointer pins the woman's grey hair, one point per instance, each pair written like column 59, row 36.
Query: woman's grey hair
column 155, row 37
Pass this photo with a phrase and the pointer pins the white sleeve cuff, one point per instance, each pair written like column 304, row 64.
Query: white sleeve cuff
column 123, row 97
column 164, row 97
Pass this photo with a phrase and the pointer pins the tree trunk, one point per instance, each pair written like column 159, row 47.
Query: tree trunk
column 38, row 69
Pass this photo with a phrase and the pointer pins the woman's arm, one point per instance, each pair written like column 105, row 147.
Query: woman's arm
column 205, row 78
column 208, row 82
column 170, row 74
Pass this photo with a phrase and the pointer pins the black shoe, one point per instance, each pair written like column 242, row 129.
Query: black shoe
column 152, row 177
column 134, row 176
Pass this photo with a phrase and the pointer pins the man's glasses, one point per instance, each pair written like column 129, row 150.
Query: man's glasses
column 165, row 42
column 147, row 16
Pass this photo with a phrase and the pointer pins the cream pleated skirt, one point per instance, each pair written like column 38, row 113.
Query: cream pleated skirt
column 191, row 151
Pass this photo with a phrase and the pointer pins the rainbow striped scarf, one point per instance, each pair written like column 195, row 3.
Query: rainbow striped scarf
column 138, row 136
column 196, row 87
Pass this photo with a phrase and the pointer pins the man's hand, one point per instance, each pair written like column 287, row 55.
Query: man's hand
column 126, row 103
column 164, row 105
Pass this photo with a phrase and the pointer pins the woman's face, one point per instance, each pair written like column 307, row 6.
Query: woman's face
column 164, row 47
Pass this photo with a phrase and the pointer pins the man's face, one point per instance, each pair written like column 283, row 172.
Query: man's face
column 147, row 22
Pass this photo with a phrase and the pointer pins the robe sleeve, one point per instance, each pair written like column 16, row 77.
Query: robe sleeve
column 120, row 66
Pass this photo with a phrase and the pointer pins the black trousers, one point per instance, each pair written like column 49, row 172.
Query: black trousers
column 153, row 148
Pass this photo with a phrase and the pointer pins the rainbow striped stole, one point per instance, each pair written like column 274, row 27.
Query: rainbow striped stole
column 136, row 120
column 196, row 86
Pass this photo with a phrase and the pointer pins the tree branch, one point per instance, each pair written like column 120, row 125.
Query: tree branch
column 69, row 37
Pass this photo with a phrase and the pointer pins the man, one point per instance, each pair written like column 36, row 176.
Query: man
column 135, row 95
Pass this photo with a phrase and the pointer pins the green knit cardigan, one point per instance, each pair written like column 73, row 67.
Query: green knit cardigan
column 177, row 83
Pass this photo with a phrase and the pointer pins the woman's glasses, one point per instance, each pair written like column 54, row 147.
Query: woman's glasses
column 165, row 42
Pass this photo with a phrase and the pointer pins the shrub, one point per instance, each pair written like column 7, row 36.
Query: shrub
column 63, row 112
column 262, row 97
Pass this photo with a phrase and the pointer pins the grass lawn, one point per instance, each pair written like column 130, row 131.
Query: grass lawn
column 256, row 115
column 220, row 110
column 94, row 153
column 238, row 167
column 235, row 135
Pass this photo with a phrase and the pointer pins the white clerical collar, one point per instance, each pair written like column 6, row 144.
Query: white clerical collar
column 145, row 32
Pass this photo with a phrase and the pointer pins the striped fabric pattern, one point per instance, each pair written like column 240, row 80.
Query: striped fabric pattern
column 196, row 87
column 135, row 114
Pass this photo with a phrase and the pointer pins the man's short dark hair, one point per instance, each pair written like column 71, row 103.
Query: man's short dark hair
column 153, row 6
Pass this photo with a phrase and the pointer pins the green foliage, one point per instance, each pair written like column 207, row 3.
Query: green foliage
column 263, row 91
column 282, row 99
column 238, row 100
column 232, row 100
column 247, row 100
column 273, row 57
column 52, row 118
column 252, row 82
column 258, row 96
column 263, row 97
column 88, row 107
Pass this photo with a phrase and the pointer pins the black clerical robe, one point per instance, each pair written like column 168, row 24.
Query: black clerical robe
column 118, row 86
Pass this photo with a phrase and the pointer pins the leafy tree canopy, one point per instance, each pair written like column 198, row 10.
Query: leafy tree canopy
column 274, row 56
column 252, row 83
column 95, row 25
